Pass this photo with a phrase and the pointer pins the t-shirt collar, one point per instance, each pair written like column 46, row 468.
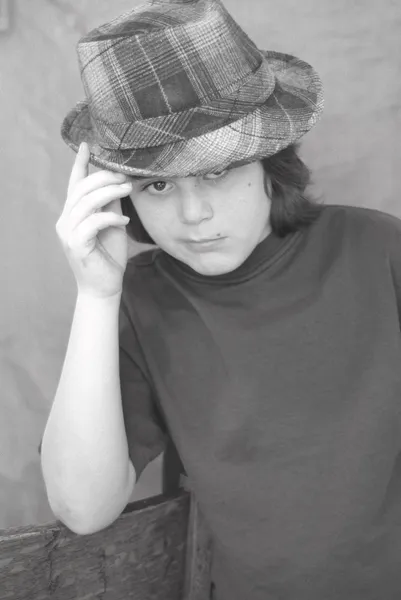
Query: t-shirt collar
column 262, row 256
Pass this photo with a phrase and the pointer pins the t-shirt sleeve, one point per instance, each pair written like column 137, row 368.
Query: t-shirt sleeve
column 145, row 427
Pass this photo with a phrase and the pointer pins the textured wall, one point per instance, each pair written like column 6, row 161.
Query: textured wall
column 355, row 153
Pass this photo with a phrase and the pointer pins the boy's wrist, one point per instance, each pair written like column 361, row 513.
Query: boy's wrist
column 86, row 299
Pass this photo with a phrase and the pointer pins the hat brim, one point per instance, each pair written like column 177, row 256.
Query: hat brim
column 290, row 112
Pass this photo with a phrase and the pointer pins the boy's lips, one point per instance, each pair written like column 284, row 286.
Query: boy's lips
column 205, row 243
column 201, row 240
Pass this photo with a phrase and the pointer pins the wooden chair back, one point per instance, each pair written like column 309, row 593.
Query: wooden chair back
column 159, row 548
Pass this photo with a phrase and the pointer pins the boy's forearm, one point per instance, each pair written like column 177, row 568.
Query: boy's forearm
column 84, row 458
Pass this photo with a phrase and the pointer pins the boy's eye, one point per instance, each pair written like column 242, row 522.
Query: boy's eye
column 156, row 187
column 159, row 186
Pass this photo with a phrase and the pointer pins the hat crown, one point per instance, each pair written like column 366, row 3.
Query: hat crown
column 164, row 57
column 151, row 17
column 177, row 88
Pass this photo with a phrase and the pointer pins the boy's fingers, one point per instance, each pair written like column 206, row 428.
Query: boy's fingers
column 80, row 167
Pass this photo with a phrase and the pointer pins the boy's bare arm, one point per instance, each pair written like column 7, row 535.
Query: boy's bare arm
column 88, row 475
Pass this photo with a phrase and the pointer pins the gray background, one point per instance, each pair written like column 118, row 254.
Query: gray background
column 354, row 152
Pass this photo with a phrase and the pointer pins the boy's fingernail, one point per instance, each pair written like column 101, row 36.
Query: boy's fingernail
column 81, row 147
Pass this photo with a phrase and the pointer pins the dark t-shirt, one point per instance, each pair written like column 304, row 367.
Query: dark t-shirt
column 280, row 385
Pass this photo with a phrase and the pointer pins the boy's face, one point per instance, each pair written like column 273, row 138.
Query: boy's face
column 232, row 207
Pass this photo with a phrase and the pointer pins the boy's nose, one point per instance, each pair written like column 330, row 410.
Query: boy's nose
column 195, row 207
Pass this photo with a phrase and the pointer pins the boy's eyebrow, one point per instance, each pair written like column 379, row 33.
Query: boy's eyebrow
column 145, row 177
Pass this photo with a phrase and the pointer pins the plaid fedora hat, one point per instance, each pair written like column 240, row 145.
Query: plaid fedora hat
column 177, row 88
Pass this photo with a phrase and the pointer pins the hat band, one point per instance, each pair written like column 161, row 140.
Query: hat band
column 195, row 121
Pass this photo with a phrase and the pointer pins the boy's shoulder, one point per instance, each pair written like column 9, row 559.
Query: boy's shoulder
column 363, row 221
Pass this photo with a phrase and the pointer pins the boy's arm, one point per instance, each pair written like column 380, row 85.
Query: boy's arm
column 84, row 458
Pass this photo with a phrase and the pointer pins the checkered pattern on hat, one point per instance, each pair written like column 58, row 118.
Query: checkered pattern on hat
column 178, row 89
column 183, row 79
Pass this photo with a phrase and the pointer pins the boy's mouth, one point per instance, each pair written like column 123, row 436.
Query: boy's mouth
column 205, row 243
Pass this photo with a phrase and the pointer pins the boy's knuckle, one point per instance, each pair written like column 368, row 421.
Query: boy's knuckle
column 71, row 243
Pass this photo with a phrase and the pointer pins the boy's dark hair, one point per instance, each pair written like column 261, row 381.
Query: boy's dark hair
column 291, row 207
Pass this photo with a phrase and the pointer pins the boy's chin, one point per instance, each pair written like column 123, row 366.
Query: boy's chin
column 213, row 268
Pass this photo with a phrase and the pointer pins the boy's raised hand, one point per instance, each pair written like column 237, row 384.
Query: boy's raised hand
column 91, row 228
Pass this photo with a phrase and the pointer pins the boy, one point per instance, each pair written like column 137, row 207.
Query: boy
column 263, row 332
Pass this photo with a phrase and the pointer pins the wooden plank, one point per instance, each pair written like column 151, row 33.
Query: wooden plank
column 140, row 556
column 199, row 554
column 197, row 579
